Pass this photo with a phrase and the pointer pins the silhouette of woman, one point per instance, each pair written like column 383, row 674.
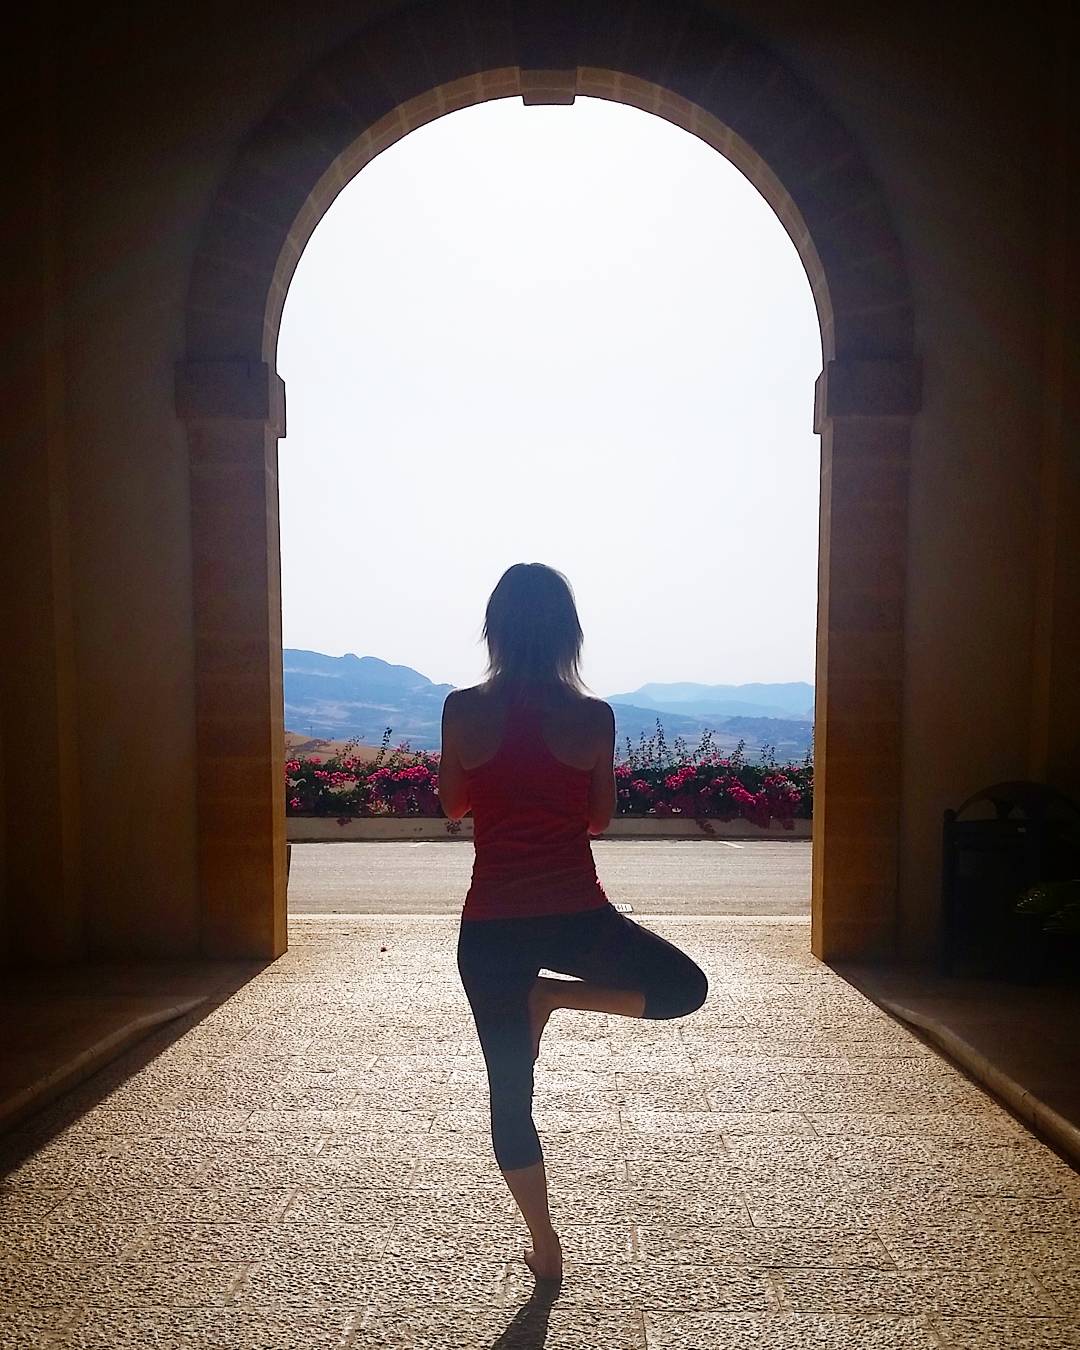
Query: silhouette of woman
column 532, row 755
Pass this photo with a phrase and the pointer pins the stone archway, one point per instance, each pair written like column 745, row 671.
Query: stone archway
column 412, row 67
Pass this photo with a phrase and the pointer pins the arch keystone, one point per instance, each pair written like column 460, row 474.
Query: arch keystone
column 556, row 88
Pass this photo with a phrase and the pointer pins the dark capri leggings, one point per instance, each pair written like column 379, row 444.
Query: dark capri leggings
column 499, row 960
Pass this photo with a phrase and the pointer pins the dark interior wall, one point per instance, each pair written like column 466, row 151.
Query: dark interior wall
column 150, row 106
column 40, row 863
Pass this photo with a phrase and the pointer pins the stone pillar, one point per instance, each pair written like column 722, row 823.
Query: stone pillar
column 235, row 413
column 41, row 900
column 863, row 411
column 1055, row 735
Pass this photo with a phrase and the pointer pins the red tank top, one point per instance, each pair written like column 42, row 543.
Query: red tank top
column 531, row 829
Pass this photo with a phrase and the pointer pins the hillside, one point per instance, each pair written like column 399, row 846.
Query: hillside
column 298, row 746
column 334, row 698
column 343, row 696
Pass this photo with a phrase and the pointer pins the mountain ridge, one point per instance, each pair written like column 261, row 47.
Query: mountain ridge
column 359, row 696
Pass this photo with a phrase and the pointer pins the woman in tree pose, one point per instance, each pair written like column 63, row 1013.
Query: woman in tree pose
column 533, row 757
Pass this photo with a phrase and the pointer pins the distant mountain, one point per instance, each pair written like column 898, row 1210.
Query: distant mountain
column 793, row 701
column 360, row 696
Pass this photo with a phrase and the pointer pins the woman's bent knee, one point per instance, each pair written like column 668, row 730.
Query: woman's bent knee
column 680, row 997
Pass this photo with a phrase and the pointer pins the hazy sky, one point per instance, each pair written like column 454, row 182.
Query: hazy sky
column 568, row 335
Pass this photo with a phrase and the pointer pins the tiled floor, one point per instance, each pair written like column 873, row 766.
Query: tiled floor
column 308, row 1166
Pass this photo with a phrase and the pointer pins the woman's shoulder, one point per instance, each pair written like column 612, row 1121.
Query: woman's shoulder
column 576, row 702
column 594, row 707
column 459, row 702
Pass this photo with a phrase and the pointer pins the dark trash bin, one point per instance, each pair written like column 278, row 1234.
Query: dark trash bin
column 1002, row 841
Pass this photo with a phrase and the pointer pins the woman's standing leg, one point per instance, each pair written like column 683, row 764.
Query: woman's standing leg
column 498, row 972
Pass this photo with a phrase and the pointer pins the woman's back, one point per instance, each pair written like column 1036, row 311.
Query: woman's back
column 571, row 724
column 530, row 767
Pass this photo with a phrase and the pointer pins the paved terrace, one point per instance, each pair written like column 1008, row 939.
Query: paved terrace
column 308, row 1166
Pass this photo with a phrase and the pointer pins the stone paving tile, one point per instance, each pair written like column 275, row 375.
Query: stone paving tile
column 711, row 1169
column 345, row 1205
column 26, row 1328
column 65, row 1241
column 697, row 1331
column 975, row 1174
column 975, row 1127
column 952, row 1293
column 206, row 1329
column 653, row 1147
column 123, row 1170
column 403, row 1284
column 311, row 1165
column 1063, row 1286
column 553, row 1326
column 1008, row 1333
column 477, row 1169
column 799, row 1209
column 118, row 1284
column 321, row 1282
column 762, row 1247
column 662, row 1287
column 192, row 1204
column 672, row 1122
column 102, row 1122
column 968, row 1241
column 647, row 1205
column 380, row 1147
column 780, row 1151
column 1050, row 1215
column 439, row 1237
column 19, row 1203
column 247, row 1242
column 59, row 1165
column 1057, row 1250
column 331, row 1167
column 549, row 1101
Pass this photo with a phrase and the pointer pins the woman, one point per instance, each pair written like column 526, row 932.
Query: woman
column 533, row 757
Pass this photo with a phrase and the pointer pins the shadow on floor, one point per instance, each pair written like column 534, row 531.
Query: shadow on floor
column 1022, row 1042
column 528, row 1328
column 59, row 1026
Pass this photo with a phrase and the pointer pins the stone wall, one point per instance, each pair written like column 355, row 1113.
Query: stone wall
column 123, row 124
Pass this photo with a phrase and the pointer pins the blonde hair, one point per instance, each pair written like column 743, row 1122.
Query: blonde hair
column 532, row 631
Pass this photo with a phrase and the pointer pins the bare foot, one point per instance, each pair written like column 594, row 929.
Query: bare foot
column 541, row 1005
column 545, row 1260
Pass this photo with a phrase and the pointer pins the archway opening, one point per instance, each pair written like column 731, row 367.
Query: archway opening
column 575, row 334
column 694, row 72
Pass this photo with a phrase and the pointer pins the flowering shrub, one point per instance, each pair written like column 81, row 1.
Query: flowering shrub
column 709, row 784
column 651, row 780
column 398, row 782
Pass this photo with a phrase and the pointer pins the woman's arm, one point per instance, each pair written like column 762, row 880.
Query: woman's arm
column 602, row 785
column 453, row 785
